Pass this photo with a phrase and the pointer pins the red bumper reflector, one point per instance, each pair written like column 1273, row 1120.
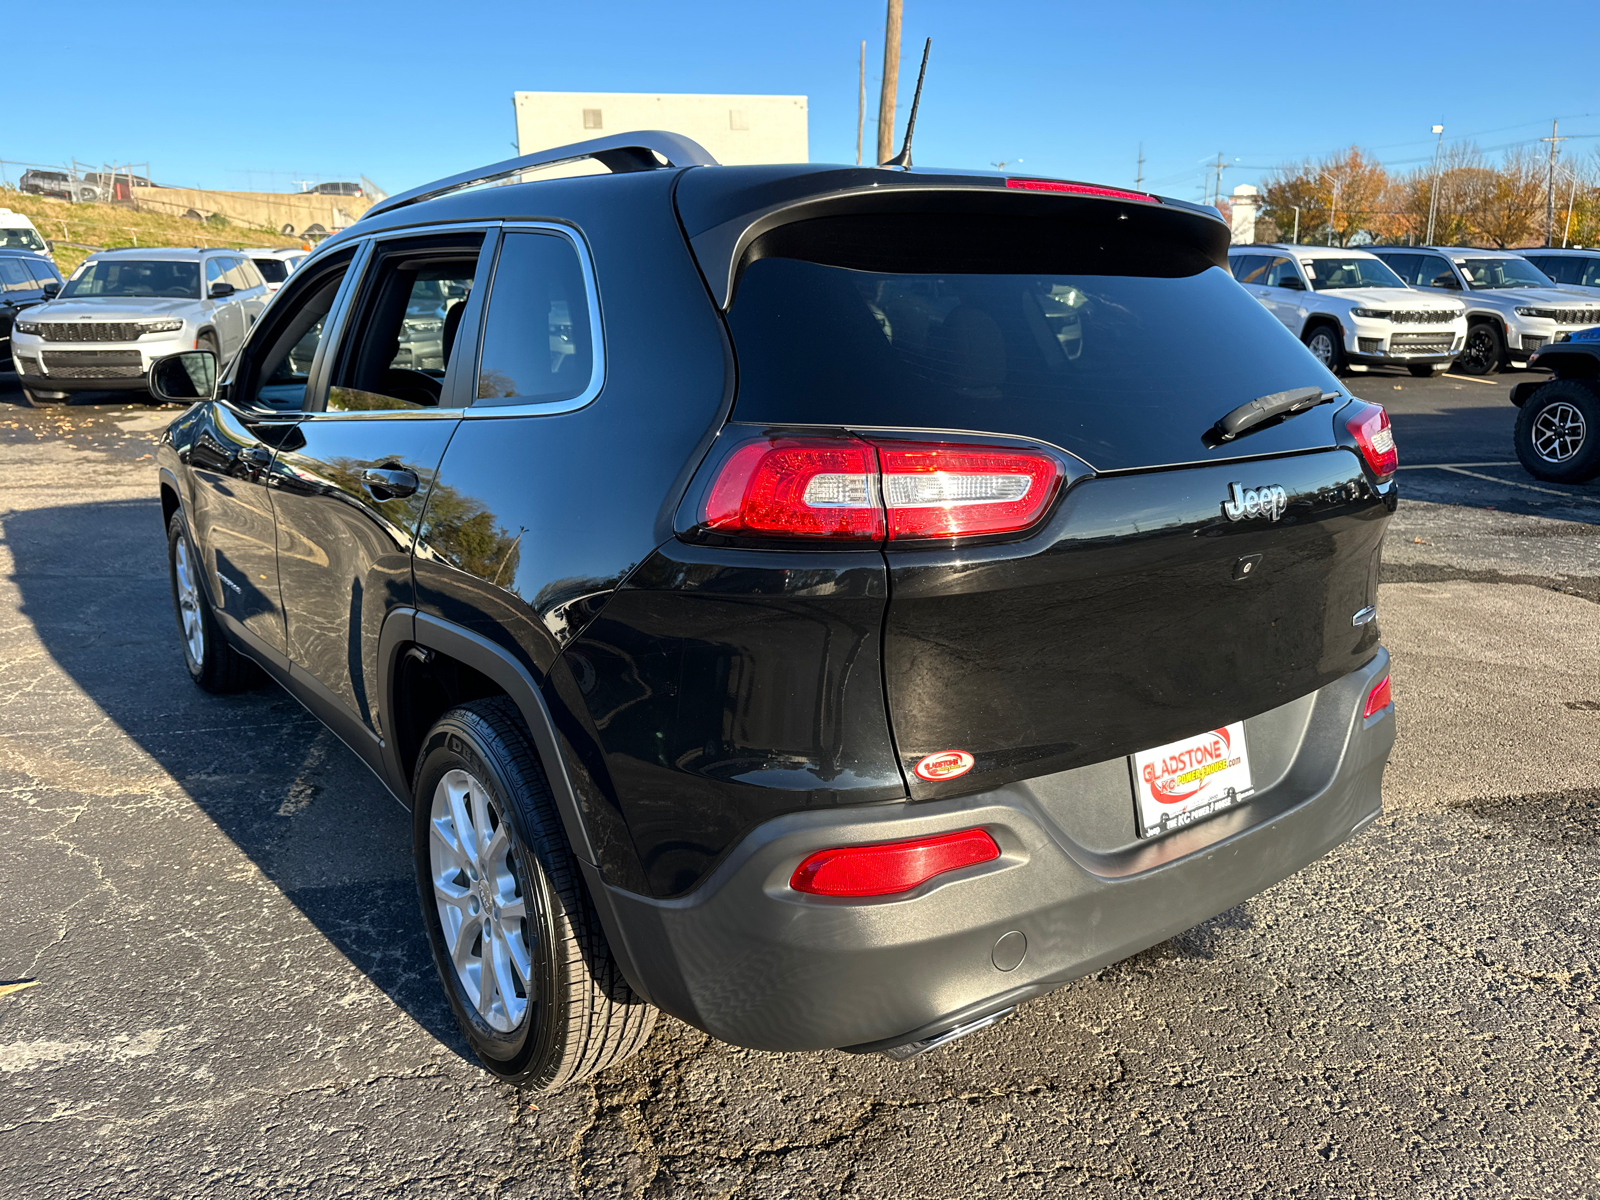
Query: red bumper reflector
column 1370, row 428
column 1081, row 189
column 891, row 867
column 1378, row 699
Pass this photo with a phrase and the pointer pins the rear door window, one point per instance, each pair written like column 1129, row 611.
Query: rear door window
column 538, row 347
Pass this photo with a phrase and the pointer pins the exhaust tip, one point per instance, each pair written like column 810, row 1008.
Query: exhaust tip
column 910, row 1050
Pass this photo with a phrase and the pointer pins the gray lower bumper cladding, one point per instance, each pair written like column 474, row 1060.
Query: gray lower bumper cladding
column 753, row 962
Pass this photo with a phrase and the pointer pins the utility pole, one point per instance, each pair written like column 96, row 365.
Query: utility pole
column 1550, row 190
column 1138, row 180
column 1433, row 192
column 861, row 103
column 891, row 82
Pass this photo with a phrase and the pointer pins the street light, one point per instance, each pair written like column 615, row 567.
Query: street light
column 1433, row 192
column 1334, row 209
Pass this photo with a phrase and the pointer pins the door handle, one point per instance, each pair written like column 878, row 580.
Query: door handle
column 387, row 483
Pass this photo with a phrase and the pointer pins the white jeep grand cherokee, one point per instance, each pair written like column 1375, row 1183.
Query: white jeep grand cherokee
column 123, row 309
column 1350, row 309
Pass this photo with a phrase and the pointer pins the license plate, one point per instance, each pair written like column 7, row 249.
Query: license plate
column 1186, row 781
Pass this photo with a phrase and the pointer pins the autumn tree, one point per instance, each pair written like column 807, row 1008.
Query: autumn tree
column 1338, row 197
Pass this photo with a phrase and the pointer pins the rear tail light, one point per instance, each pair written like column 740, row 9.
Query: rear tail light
column 939, row 490
column 891, row 867
column 799, row 487
column 1378, row 699
column 844, row 488
column 1369, row 425
column 1081, row 189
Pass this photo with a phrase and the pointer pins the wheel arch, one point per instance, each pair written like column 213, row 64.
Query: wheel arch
column 415, row 651
column 169, row 498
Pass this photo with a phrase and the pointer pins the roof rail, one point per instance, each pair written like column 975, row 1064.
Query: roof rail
column 621, row 152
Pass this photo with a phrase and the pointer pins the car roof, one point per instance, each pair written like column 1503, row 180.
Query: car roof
column 1447, row 251
column 1302, row 251
column 163, row 253
column 1585, row 250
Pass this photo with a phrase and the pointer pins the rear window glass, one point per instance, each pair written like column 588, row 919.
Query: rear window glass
column 273, row 270
column 1123, row 370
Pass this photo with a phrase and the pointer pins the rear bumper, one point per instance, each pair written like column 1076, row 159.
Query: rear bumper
column 755, row 963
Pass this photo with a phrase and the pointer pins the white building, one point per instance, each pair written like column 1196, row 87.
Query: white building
column 735, row 129
column 1244, row 206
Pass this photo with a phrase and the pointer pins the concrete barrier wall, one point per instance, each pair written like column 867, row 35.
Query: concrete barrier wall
column 271, row 210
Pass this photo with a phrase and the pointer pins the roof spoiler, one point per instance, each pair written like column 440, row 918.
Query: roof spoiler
column 642, row 150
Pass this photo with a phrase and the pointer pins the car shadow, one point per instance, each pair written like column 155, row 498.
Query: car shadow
column 307, row 813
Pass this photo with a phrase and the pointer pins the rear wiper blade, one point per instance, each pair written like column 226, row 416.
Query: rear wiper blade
column 1264, row 408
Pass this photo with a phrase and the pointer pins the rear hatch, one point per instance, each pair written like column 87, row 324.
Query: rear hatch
column 1134, row 611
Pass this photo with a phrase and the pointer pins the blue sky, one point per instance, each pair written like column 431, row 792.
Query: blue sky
column 235, row 96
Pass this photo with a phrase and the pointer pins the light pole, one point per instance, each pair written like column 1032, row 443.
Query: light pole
column 1333, row 209
column 1295, row 241
column 1433, row 192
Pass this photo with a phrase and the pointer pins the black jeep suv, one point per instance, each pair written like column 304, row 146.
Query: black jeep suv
column 830, row 605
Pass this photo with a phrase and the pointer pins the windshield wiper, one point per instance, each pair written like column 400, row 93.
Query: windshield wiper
column 1257, row 412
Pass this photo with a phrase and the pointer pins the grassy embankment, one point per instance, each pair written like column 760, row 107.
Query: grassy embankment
column 111, row 225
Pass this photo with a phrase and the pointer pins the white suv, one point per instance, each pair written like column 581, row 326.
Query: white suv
column 1513, row 308
column 1350, row 309
column 123, row 309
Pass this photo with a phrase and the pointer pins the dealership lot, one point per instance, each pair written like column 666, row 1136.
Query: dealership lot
column 235, row 996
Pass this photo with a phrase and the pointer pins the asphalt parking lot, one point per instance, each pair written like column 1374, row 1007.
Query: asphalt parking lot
column 234, row 997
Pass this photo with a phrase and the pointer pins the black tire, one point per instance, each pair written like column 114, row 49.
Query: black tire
column 208, row 341
column 44, row 399
column 1558, row 431
column 215, row 666
column 577, row 1014
column 1484, row 352
column 1423, row 370
column 1325, row 342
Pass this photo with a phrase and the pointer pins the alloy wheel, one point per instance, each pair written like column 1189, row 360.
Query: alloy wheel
column 1559, row 432
column 1321, row 344
column 482, row 905
column 194, row 630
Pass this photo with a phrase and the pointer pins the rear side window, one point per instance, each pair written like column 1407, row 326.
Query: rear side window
column 1249, row 268
column 1125, row 370
column 273, row 270
column 538, row 347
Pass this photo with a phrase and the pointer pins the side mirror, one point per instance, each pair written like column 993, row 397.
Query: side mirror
column 184, row 378
column 52, row 289
column 1293, row 284
column 219, row 290
column 1446, row 280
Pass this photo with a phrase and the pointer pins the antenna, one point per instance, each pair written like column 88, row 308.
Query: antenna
column 903, row 159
